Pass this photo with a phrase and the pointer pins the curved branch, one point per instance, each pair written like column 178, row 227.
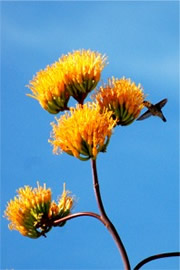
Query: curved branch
column 156, row 257
column 106, row 220
column 79, row 214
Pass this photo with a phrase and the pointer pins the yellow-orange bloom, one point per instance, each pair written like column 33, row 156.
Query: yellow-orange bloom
column 83, row 133
column 74, row 74
column 65, row 202
column 49, row 89
column 81, row 72
column 32, row 210
column 64, row 205
column 27, row 208
column 123, row 97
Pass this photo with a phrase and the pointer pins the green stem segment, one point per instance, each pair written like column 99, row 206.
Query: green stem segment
column 106, row 221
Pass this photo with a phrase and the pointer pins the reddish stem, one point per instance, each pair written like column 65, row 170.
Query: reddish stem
column 155, row 257
column 106, row 220
column 80, row 214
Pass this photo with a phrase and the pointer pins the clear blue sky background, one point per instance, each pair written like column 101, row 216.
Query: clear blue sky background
column 138, row 174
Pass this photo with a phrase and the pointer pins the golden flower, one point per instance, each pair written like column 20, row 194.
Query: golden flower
column 83, row 132
column 123, row 97
column 49, row 89
column 32, row 211
column 65, row 202
column 74, row 74
column 28, row 208
column 81, row 71
column 63, row 207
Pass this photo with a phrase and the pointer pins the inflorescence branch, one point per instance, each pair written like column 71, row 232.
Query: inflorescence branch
column 105, row 218
column 156, row 257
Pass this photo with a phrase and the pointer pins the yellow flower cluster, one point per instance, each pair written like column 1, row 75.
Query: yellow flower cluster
column 31, row 211
column 49, row 89
column 123, row 97
column 64, row 205
column 84, row 132
column 82, row 71
column 75, row 74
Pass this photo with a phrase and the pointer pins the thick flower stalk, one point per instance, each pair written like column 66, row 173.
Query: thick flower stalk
column 74, row 74
column 123, row 97
column 32, row 211
column 83, row 132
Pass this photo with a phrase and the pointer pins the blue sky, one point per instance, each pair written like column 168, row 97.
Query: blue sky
column 138, row 175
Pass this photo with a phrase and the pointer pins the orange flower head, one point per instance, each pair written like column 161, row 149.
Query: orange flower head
column 27, row 209
column 64, row 205
column 81, row 72
column 84, row 132
column 74, row 74
column 32, row 211
column 49, row 89
column 123, row 97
